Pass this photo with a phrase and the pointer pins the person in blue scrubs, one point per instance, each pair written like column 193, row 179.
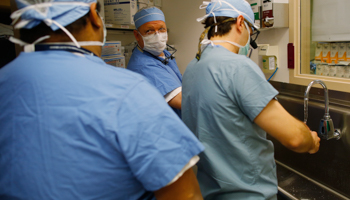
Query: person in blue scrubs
column 151, row 59
column 230, row 106
column 73, row 127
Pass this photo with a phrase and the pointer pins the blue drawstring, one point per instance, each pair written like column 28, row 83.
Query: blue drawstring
column 273, row 74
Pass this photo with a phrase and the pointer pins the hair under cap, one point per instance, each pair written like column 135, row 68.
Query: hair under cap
column 230, row 8
column 148, row 15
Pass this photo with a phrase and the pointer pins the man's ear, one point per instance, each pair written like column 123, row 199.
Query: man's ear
column 138, row 38
column 94, row 16
column 240, row 23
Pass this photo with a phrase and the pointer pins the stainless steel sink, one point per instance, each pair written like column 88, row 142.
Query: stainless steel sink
column 326, row 174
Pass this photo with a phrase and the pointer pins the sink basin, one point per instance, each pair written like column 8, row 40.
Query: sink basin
column 326, row 174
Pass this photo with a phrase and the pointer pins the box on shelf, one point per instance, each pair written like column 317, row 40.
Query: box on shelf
column 143, row 1
column 158, row 3
column 342, row 52
column 120, row 11
column 141, row 5
column 128, row 52
column 116, row 61
column 256, row 7
column 111, row 48
column 151, row 3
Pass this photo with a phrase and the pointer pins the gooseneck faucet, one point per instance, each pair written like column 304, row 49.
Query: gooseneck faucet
column 326, row 128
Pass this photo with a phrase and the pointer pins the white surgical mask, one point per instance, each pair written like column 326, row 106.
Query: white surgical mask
column 156, row 43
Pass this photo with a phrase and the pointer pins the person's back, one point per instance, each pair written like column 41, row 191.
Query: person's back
column 73, row 127
column 68, row 127
column 243, row 155
column 230, row 106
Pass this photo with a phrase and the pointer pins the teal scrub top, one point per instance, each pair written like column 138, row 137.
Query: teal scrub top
column 222, row 94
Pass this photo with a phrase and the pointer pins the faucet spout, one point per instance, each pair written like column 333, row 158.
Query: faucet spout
column 326, row 128
column 306, row 99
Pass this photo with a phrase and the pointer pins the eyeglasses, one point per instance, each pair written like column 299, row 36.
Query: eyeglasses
column 152, row 31
column 255, row 35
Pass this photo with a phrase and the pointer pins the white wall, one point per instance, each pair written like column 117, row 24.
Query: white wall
column 184, row 30
column 275, row 37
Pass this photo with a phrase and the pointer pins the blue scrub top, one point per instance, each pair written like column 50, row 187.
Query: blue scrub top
column 165, row 78
column 222, row 94
column 73, row 127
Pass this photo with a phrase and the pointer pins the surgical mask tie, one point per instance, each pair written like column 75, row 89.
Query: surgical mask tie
column 243, row 50
column 217, row 7
column 205, row 35
column 155, row 44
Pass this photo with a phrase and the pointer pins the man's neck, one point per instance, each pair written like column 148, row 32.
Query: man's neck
column 226, row 45
column 57, row 39
column 94, row 49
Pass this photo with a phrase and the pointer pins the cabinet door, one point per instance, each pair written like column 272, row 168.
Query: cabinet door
column 322, row 42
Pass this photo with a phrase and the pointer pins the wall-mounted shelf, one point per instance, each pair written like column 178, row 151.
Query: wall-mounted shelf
column 280, row 17
column 270, row 28
column 121, row 27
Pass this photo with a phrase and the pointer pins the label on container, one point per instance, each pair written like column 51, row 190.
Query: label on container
column 347, row 72
column 267, row 6
column 319, row 69
column 325, row 70
column 271, row 63
column 125, row 26
column 326, row 56
column 340, row 71
column 342, row 51
column 326, row 49
column 332, row 70
column 348, row 51
column 267, row 12
column 318, row 51
column 255, row 4
column 334, row 52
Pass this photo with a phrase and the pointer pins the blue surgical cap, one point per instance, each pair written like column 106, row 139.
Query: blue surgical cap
column 230, row 8
column 148, row 15
column 64, row 12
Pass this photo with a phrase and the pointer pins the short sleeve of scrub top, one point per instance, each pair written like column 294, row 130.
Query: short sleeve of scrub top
column 254, row 92
column 154, row 141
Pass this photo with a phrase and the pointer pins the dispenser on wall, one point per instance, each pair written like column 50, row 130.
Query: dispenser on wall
column 269, row 57
column 275, row 13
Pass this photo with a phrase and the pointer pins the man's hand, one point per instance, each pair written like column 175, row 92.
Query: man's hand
column 316, row 142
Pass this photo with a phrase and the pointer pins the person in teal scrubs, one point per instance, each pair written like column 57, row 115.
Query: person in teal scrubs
column 230, row 106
